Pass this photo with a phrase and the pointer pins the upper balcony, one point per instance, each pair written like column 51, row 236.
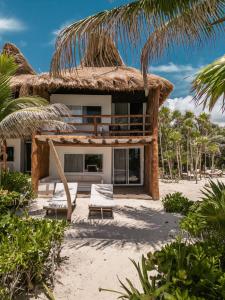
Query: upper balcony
column 105, row 126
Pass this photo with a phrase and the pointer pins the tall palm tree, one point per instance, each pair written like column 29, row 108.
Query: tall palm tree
column 22, row 116
column 153, row 25
column 209, row 84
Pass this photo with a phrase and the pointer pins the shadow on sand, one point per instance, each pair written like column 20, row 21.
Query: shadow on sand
column 136, row 226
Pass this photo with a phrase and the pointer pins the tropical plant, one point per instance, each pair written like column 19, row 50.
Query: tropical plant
column 18, row 182
column 177, row 203
column 209, row 84
column 29, row 253
column 22, row 116
column 178, row 271
column 150, row 24
column 188, row 144
column 208, row 220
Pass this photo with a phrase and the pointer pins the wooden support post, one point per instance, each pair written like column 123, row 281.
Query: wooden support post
column 95, row 126
column 153, row 111
column 63, row 178
column 34, row 164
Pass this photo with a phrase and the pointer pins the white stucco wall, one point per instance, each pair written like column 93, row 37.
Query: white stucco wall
column 16, row 143
column 105, row 151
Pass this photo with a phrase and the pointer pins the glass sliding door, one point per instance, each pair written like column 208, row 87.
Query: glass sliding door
column 127, row 166
column 120, row 166
column 134, row 166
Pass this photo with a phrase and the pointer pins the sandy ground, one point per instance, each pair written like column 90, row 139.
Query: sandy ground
column 97, row 251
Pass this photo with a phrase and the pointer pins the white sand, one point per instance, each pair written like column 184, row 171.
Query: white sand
column 97, row 251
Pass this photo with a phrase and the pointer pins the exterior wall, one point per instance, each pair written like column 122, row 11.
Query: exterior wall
column 105, row 151
column 16, row 165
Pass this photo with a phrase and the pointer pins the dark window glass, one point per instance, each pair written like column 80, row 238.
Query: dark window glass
column 73, row 163
column 93, row 162
column 92, row 110
column 10, row 153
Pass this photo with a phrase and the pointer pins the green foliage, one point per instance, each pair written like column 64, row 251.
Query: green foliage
column 183, row 271
column 190, row 270
column 177, row 203
column 29, row 250
column 9, row 200
column 18, row 182
column 208, row 220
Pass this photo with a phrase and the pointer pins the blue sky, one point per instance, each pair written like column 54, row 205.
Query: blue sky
column 32, row 25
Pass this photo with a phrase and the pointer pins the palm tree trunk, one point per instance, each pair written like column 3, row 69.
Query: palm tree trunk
column 178, row 161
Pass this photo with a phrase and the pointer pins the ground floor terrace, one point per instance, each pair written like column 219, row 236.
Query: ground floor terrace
column 96, row 251
column 121, row 161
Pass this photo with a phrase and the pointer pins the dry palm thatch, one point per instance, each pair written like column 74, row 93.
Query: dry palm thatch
column 160, row 24
column 24, row 122
column 97, row 54
column 23, row 67
column 104, row 79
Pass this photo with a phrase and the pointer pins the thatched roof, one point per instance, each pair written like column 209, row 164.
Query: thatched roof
column 23, row 66
column 99, row 79
column 96, row 54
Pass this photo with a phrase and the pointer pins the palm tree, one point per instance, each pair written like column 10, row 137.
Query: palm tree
column 152, row 25
column 22, row 116
column 209, row 84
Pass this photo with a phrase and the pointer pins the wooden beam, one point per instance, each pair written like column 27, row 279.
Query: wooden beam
column 153, row 110
column 34, row 164
column 63, row 178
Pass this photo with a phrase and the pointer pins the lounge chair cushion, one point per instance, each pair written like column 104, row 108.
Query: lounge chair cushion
column 102, row 196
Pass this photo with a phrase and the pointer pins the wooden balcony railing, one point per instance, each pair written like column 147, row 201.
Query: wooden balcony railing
column 106, row 125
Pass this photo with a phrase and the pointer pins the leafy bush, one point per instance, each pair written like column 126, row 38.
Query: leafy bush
column 9, row 200
column 29, row 249
column 177, row 203
column 18, row 182
column 181, row 271
column 191, row 270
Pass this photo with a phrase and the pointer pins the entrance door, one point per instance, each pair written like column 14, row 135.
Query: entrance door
column 126, row 166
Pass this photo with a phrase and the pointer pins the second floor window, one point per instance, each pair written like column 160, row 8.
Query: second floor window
column 89, row 110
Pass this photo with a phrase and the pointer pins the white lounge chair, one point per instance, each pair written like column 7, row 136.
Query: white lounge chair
column 59, row 200
column 46, row 189
column 101, row 199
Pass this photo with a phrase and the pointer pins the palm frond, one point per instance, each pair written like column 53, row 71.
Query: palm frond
column 132, row 23
column 190, row 27
column 209, row 84
column 25, row 121
column 7, row 65
column 16, row 104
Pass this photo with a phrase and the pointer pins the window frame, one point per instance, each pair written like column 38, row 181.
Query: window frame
column 83, row 162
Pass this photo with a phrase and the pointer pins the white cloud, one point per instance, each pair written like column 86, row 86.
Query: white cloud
column 172, row 68
column 10, row 25
column 186, row 103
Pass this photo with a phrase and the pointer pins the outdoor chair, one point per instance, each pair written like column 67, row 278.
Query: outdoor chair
column 101, row 199
column 58, row 203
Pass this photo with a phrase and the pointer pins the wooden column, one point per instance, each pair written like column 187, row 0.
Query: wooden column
column 34, row 164
column 63, row 178
column 152, row 149
column 40, row 162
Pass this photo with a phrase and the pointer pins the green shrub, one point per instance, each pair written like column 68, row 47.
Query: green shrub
column 29, row 250
column 18, row 182
column 177, row 203
column 178, row 272
column 10, row 200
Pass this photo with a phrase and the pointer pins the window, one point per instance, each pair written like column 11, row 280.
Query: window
column 93, row 163
column 73, row 163
column 79, row 163
column 10, row 154
column 84, row 110
column 91, row 110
